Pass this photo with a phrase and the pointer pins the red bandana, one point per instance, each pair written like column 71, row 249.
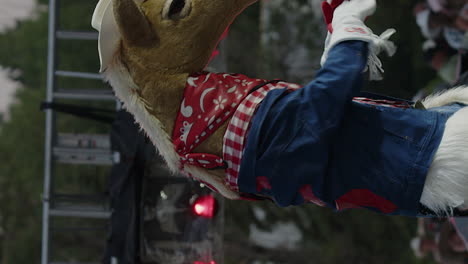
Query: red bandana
column 209, row 100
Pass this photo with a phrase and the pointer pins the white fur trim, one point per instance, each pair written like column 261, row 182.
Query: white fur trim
column 203, row 175
column 122, row 83
column 454, row 95
column 446, row 183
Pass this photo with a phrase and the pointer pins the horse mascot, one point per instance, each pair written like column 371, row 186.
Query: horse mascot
column 326, row 142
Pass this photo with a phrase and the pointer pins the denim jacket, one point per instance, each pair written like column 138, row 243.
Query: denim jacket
column 318, row 145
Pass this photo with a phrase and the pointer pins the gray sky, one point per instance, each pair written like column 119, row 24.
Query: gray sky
column 7, row 91
column 14, row 10
column 10, row 12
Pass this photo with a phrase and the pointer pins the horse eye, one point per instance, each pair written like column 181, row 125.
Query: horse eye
column 177, row 9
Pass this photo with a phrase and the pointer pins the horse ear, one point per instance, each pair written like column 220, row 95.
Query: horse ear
column 134, row 27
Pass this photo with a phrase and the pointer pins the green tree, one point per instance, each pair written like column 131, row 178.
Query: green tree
column 22, row 137
column 21, row 180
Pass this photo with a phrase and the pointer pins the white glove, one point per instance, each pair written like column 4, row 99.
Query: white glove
column 348, row 25
column 359, row 9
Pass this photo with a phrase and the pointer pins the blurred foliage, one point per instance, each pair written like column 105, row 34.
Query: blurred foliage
column 286, row 44
column 22, row 138
column 21, row 150
column 407, row 71
column 25, row 49
column 355, row 236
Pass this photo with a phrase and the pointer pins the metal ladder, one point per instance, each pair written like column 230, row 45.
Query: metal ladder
column 75, row 149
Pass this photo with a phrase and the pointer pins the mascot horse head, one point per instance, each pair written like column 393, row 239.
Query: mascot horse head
column 148, row 49
column 167, row 36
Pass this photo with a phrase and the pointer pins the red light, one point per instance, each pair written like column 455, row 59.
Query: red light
column 204, row 206
column 201, row 262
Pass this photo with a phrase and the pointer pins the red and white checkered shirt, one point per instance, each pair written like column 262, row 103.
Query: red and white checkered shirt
column 236, row 133
column 237, row 130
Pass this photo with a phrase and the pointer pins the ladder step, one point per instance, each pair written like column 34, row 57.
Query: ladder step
column 77, row 35
column 82, row 202
column 65, row 262
column 84, row 75
column 82, row 211
column 79, row 229
column 85, row 156
column 76, row 198
column 99, row 95
column 89, row 141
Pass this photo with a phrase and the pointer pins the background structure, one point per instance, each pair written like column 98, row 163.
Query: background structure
column 279, row 39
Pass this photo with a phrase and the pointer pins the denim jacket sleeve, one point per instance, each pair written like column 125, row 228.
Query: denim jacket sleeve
column 335, row 84
column 318, row 107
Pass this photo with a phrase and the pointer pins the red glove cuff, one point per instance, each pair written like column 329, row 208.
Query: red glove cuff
column 328, row 9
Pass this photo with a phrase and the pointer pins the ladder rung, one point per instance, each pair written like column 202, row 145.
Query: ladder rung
column 90, row 151
column 65, row 262
column 81, row 211
column 78, row 229
column 89, row 141
column 84, row 75
column 78, row 35
column 85, row 94
column 59, row 197
column 85, row 156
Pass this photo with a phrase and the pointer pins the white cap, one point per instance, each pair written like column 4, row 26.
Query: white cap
column 109, row 35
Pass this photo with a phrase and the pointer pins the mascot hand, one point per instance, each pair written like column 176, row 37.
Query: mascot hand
column 328, row 8
column 359, row 9
column 348, row 24
column 344, row 20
